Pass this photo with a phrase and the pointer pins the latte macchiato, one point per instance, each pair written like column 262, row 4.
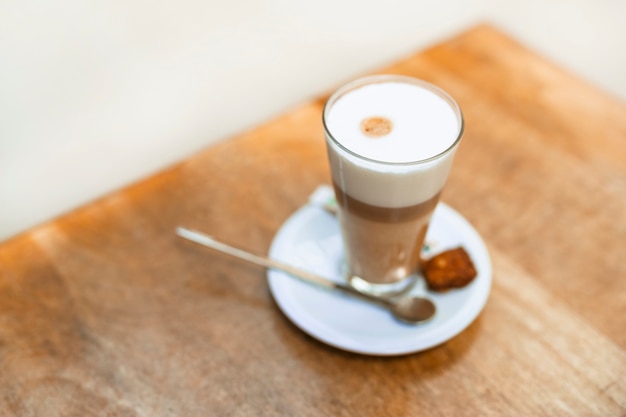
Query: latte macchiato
column 391, row 141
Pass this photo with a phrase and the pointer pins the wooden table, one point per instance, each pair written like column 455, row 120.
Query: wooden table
column 105, row 312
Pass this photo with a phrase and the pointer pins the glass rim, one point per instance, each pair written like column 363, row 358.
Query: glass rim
column 382, row 78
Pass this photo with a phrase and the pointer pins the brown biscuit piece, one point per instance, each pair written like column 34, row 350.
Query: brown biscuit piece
column 449, row 269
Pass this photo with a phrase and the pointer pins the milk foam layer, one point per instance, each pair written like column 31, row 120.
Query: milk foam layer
column 424, row 125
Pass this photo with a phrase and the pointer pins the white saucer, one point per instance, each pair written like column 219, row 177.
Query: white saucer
column 310, row 239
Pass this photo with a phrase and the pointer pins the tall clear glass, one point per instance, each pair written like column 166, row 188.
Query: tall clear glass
column 391, row 141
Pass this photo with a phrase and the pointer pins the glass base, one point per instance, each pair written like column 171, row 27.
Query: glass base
column 383, row 290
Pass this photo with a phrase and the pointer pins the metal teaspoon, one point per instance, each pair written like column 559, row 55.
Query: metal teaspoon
column 408, row 309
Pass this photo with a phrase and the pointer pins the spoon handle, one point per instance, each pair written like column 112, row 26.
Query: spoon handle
column 208, row 241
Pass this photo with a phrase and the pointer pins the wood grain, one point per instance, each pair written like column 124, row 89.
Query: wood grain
column 105, row 312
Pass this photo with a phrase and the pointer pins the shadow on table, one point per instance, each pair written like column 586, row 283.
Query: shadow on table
column 397, row 385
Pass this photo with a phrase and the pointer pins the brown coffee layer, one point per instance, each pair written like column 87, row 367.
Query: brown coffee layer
column 384, row 214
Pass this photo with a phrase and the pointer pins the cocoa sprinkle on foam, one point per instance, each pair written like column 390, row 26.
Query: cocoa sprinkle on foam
column 376, row 127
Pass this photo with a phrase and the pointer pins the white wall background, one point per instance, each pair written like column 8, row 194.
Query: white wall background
column 95, row 95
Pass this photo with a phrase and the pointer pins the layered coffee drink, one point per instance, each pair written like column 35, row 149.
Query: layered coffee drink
column 391, row 141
